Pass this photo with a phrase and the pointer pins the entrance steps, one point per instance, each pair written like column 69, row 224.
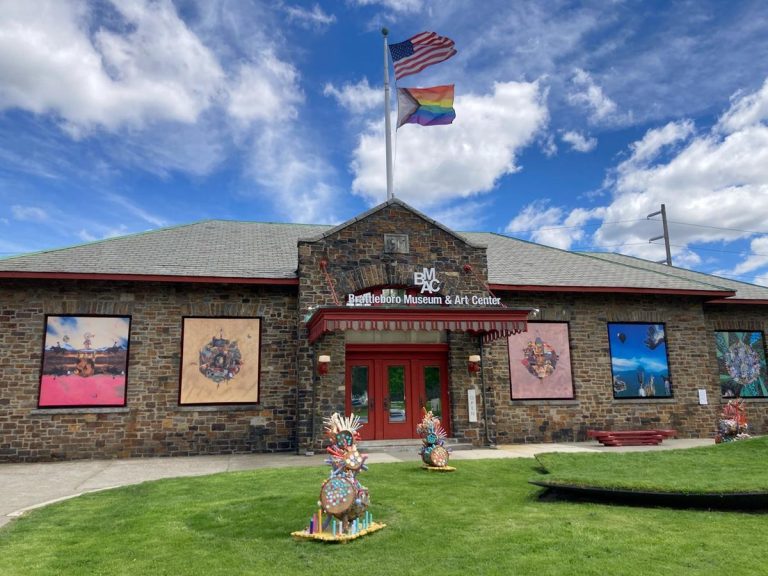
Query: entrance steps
column 407, row 445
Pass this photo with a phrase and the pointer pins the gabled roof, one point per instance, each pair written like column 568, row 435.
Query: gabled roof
column 209, row 249
column 520, row 265
column 396, row 202
column 267, row 253
column 745, row 292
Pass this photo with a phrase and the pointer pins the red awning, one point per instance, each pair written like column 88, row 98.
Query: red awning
column 491, row 323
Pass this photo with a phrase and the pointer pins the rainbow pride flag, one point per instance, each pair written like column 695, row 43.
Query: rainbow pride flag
column 425, row 106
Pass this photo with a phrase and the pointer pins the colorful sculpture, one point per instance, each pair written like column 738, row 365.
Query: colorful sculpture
column 343, row 506
column 733, row 422
column 433, row 452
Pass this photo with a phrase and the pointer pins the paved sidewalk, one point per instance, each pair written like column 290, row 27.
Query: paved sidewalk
column 27, row 486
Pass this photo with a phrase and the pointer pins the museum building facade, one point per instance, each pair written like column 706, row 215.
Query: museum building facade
column 229, row 337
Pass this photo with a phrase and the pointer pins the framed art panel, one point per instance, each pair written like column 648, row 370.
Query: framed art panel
column 220, row 361
column 85, row 361
column 639, row 360
column 540, row 362
column 741, row 363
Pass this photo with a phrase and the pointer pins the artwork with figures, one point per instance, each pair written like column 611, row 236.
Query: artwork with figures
column 639, row 360
column 220, row 361
column 540, row 362
column 85, row 361
column 741, row 364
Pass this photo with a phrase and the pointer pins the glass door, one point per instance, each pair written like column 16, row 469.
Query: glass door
column 387, row 387
column 360, row 395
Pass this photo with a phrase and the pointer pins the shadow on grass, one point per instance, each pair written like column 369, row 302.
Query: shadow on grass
column 752, row 503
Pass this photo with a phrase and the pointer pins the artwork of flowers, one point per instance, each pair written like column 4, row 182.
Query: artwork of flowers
column 220, row 361
column 85, row 361
column 741, row 364
column 639, row 360
column 540, row 362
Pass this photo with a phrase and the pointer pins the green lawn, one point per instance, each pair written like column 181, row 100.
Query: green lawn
column 485, row 518
column 733, row 468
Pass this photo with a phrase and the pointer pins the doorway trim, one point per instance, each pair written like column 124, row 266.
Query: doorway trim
column 415, row 358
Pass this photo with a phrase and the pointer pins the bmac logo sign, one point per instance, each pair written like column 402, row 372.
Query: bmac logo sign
column 427, row 279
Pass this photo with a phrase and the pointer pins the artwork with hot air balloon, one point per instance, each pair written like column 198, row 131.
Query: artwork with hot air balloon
column 639, row 360
column 540, row 362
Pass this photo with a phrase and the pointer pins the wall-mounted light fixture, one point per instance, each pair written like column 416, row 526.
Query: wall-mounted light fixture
column 474, row 363
column 322, row 364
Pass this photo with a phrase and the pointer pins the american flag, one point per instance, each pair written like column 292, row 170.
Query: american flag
column 420, row 51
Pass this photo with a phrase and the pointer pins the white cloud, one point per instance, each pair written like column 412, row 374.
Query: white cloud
column 551, row 225
column 314, row 18
column 29, row 213
column 405, row 6
column 156, row 69
column 294, row 177
column 266, row 90
column 715, row 178
column 164, row 95
column 656, row 140
column 86, row 236
column 434, row 165
column 579, row 142
column 466, row 215
column 586, row 93
column 138, row 211
column 357, row 98
column 756, row 260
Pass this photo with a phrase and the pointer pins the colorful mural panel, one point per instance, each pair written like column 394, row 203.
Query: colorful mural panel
column 639, row 360
column 540, row 362
column 220, row 361
column 741, row 364
column 85, row 361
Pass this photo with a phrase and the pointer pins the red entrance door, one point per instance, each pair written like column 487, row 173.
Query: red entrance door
column 387, row 388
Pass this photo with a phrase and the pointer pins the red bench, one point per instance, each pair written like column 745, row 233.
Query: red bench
column 630, row 437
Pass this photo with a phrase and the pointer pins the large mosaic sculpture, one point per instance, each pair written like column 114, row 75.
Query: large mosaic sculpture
column 433, row 452
column 343, row 506
column 733, row 422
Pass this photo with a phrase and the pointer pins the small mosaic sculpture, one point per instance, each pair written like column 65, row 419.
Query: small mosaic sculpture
column 733, row 422
column 433, row 452
column 343, row 506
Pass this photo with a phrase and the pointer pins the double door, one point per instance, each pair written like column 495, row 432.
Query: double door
column 388, row 388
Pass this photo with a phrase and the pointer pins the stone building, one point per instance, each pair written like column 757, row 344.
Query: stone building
column 223, row 337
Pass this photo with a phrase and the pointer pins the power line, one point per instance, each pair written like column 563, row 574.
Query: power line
column 716, row 227
column 598, row 224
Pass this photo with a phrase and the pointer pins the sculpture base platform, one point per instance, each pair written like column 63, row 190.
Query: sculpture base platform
column 439, row 468
column 330, row 538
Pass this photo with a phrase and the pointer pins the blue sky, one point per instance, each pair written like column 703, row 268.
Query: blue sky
column 575, row 120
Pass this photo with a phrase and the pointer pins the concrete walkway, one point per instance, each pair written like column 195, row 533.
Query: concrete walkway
column 27, row 486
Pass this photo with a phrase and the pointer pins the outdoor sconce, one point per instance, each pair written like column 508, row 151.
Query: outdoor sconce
column 322, row 364
column 474, row 364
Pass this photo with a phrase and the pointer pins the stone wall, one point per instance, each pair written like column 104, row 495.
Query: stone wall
column 152, row 423
column 744, row 318
column 352, row 259
column 692, row 364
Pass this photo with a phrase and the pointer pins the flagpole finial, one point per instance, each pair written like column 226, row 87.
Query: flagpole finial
column 384, row 32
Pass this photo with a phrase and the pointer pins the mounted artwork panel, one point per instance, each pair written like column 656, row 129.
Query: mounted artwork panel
column 741, row 364
column 639, row 360
column 220, row 361
column 540, row 362
column 85, row 361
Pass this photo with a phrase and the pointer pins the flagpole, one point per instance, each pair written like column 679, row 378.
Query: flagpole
column 387, row 120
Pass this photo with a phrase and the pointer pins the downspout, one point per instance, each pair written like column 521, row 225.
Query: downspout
column 311, row 449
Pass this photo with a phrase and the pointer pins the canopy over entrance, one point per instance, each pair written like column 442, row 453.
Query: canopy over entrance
column 490, row 323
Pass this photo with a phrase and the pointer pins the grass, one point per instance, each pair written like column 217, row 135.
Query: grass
column 485, row 518
column 733, row 468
